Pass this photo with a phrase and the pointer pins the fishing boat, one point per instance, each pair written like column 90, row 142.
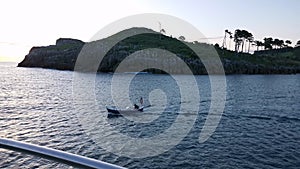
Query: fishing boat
column 113, row 110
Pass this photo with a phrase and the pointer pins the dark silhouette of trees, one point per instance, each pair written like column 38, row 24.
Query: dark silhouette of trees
column 277, row 43
column 269, row 43
column 247, row 37
column 240, row 39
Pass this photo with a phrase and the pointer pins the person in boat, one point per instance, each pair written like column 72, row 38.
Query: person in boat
column 136, row 106
column 141, row 102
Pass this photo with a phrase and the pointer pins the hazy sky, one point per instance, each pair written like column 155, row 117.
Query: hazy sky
column 34, row 22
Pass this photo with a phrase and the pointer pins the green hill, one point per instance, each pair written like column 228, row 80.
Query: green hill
column 64, row 54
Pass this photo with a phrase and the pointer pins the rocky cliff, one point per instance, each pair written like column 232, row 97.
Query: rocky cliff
column 60, row 56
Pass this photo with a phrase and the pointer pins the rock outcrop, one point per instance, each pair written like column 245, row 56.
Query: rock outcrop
column 60, row 56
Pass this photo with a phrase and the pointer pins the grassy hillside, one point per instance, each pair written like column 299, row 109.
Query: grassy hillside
column 64, row 54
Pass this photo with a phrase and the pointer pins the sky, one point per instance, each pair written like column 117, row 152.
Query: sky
column 24, row 24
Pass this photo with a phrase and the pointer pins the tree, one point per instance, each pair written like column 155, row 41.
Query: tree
column 278, row 43
column 244, row 35
column 240, row 37
column 275, row 43
column 237, row 39
column 230, row 39
column 249, row 37
column 298, row 43
column 268, row 42
column 281, row 43
column 217, row 45
column 225, row 38
column 258, row 44
column 288, row 42
column 182, row 38
column 238, row 43
column 250, row 42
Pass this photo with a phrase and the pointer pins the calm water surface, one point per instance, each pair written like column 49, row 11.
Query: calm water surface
column 260, row 126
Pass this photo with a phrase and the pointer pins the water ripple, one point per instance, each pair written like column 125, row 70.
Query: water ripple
column 260, row 127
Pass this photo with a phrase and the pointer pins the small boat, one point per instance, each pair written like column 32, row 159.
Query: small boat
column 112, row 110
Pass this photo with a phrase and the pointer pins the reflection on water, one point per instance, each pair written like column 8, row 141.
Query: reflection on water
column 259, row 127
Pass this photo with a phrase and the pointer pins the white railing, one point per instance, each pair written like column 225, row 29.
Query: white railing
column 62, row 156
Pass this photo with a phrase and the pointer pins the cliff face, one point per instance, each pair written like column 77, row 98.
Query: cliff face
column 64, row 53
column 60, row 56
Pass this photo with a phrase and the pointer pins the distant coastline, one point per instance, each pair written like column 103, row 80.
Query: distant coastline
column 63, row 55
